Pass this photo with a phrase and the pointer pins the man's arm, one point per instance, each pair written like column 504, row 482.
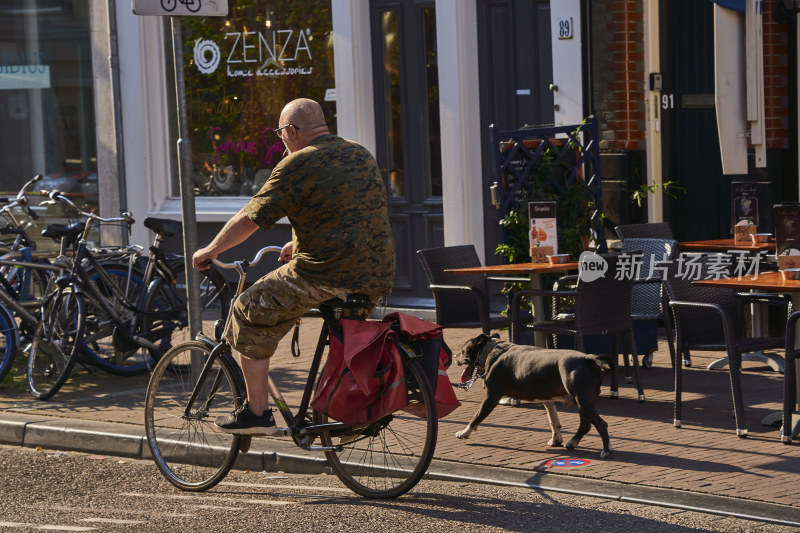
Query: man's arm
column 234, row 232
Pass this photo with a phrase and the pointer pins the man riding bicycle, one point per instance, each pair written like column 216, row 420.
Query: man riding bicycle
column 332, row 192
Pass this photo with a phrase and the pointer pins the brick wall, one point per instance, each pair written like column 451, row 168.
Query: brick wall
column 618, row 69
column 776, row 79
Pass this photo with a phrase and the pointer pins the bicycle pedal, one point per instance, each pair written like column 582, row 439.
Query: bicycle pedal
column 280, row 432
column 244, row 445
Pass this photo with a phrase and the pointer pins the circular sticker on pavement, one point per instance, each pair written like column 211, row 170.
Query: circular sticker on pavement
column 567, row 463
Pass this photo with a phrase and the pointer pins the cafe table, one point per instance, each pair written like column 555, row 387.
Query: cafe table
column 534, row 271
column 724, row 245
column 769, row 282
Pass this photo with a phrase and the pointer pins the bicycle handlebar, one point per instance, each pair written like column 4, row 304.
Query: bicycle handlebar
column 21, row 200
column 253, row 262
column 56, row 196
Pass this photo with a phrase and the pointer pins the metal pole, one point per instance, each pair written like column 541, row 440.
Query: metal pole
column 186, row 184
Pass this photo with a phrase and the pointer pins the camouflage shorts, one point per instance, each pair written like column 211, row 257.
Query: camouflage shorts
column 267, row 311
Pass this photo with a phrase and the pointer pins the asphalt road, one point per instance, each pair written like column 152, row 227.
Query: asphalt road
column 48, row 489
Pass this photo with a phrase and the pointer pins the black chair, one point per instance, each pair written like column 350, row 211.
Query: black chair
column 649, row 230
column 648, row 303
column 789, row 379
column 602, row 307
column 461, row 300
column 711, row 319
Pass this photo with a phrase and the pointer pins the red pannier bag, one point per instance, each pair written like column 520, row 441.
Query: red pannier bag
column 436, row 359
column 363, row 378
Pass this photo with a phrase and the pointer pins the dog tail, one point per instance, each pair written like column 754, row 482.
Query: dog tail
column 603, row 362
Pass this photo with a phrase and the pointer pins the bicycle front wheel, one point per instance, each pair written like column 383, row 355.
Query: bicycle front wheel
column 188, row 448
column 53, row 349
column 387, row 458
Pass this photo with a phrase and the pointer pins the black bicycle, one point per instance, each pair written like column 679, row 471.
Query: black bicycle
column 198, row 381
column 115, row 316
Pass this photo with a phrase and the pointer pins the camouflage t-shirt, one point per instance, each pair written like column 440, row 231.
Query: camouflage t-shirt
column 333, row 195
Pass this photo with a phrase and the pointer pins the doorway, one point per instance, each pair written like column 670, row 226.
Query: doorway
column 408, row 141
column 516, row 70
column 690, row 142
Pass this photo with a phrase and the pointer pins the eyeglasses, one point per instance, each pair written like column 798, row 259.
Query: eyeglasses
column 278, row 130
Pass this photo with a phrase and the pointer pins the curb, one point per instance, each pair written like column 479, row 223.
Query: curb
column 273, row 455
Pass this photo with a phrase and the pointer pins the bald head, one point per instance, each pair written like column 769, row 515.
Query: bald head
column 304, row 113
column 308, row 120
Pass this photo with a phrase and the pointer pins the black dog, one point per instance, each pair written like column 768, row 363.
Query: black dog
column 538, row 375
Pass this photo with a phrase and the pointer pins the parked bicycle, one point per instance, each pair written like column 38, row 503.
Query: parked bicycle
column 23, row 275
column 199, row 380
column 114, row 315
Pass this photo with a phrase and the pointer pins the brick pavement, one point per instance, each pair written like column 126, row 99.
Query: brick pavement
column 703, row 456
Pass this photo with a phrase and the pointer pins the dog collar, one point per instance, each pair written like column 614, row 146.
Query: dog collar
column 480, row 359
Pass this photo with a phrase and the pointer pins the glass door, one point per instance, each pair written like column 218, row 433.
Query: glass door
column 405, row 70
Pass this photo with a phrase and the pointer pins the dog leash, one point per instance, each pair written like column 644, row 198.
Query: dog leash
column 467, row 384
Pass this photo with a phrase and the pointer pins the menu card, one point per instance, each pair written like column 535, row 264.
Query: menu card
column 787, row 235
column 543, row 234
column 744, row 210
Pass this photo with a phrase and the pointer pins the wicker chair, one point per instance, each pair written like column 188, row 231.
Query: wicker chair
column 648, row 302
column 650, row 230
column 789, row 379
column 602, row 307
column 461, row 300
column 711, row 319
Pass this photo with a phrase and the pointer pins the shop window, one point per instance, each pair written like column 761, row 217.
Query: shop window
column 47, row 99
column 239, row 73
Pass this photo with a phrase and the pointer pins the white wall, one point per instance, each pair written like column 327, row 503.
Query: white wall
column 459, row 104
column 133, row 119
column 352, row 56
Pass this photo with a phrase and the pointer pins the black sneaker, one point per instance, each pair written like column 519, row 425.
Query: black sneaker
column 244, row 422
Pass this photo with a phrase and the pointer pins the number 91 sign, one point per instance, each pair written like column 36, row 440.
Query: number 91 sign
column 565, row 28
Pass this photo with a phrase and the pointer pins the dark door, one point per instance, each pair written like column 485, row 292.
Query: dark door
column 405, row 70
column 516, row 70
column 690, row 141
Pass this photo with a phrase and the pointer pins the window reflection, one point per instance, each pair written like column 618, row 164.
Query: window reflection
column 47, row 106
column 432, row 86
column 240, row 71
column 390, row 37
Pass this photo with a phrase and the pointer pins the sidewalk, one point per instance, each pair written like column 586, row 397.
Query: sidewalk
column 701, row 465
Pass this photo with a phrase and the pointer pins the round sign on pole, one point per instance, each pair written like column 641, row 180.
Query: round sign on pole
column 567, row 463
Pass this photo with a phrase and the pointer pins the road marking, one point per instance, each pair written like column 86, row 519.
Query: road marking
column 45, row 526
column 113, row 520
column 149, row 513
column 217, row 507
column 66, row 528
column 285, row 487
column 210, row 497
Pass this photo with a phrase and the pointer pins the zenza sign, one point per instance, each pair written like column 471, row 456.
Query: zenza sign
column 249, row 53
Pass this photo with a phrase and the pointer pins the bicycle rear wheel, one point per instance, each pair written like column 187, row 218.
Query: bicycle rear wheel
column 8, row 341
column 387, row 458
column 53, row 349
column 189, row 449
column 102, row 346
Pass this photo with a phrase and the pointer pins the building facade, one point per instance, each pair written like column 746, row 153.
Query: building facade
column 88, row 94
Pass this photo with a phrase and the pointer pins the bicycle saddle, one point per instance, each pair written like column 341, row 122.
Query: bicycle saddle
column 163, row 226
column 56, row 231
